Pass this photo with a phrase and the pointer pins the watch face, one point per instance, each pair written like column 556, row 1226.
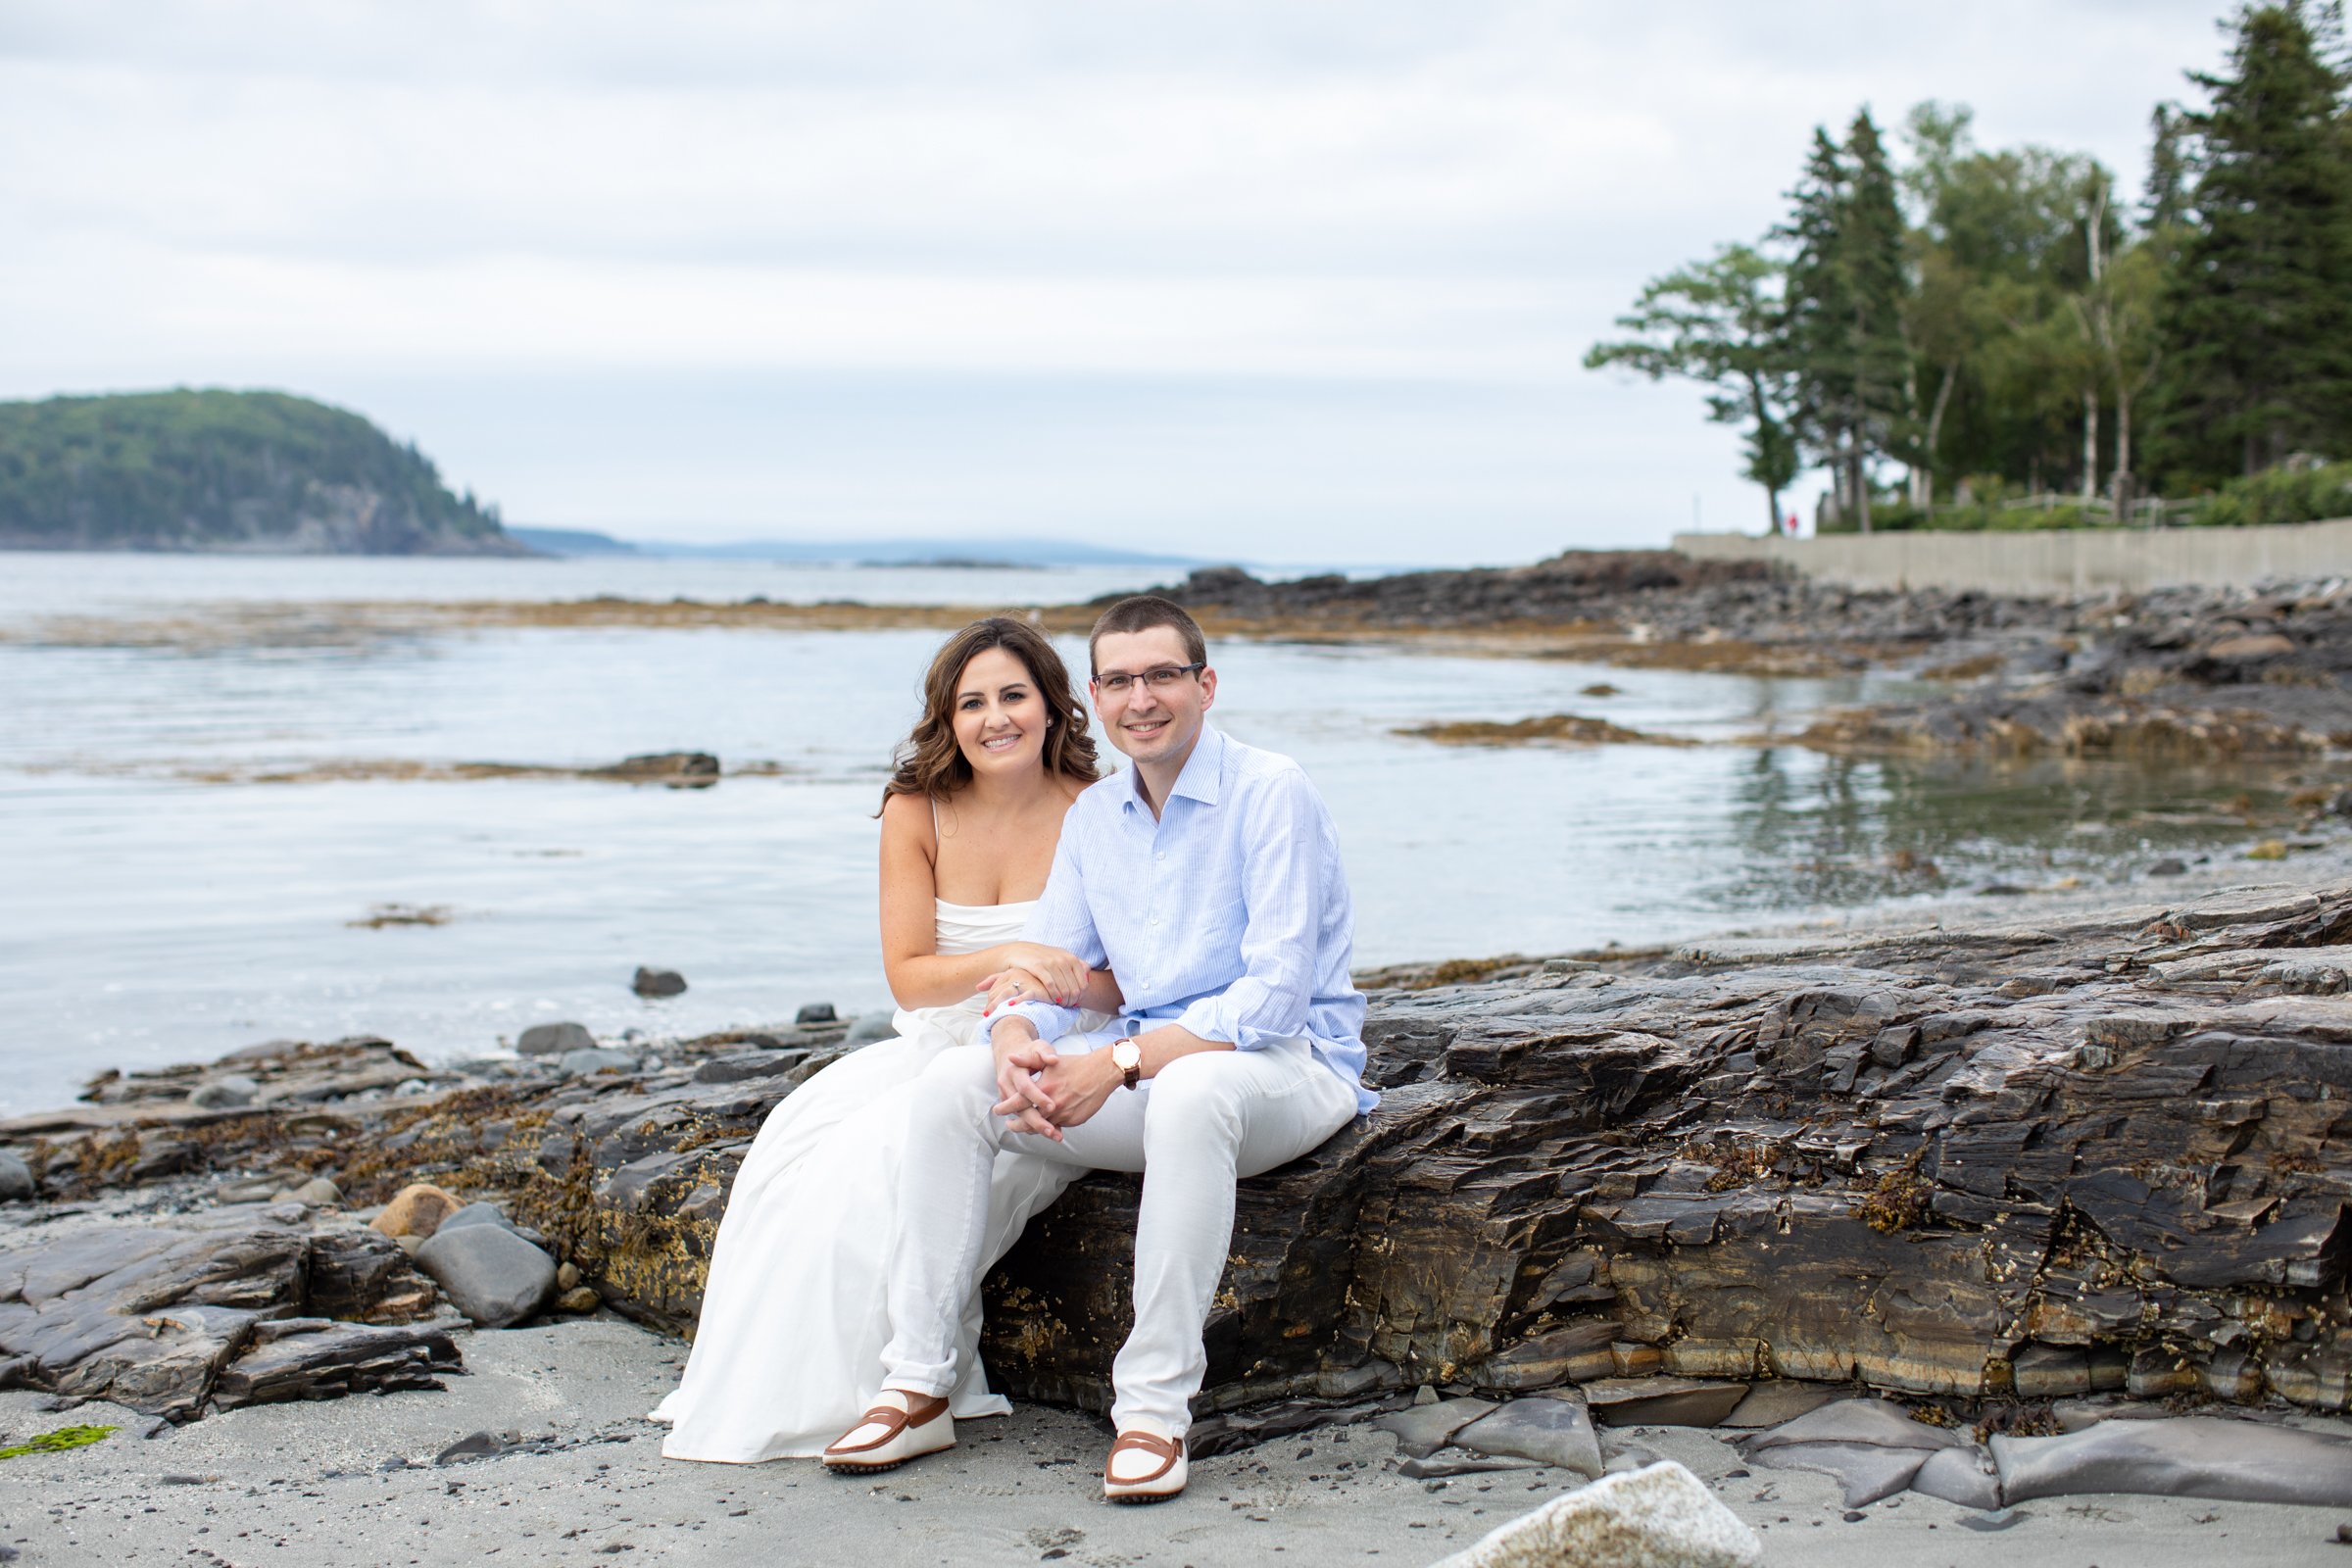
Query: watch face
column 1127, row 1054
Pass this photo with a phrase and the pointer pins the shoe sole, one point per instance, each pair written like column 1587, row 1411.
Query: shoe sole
column 1133, row 1497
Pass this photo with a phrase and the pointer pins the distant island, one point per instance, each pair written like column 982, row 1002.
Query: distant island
column 261, row 473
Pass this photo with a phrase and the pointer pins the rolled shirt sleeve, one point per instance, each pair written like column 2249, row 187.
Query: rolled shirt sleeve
column 1281, row 938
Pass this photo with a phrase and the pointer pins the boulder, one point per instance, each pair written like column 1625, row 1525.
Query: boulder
column 417, row 1209
column 816, row 1013
column 555, row 1039
column 492, row 1275
column 649, row 982
column 476, row 1214
column 17, row 1185
column 1661, row 1516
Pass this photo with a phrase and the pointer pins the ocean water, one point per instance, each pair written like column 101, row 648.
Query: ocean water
column 157, row 905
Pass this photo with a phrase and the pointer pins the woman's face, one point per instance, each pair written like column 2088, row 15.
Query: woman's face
column 999, row 715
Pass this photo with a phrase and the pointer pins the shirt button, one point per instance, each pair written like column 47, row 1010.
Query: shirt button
column 1161, row 855
column 1156, row 919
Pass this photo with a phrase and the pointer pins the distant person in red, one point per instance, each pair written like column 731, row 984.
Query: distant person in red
column 1793, row 525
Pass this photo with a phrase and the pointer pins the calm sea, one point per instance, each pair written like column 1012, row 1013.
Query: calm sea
column 149, row 915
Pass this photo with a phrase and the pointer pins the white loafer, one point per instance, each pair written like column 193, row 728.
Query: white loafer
column 900, row 1427
column 1155, row 1471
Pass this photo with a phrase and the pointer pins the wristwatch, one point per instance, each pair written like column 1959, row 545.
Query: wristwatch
column 1128, row 1057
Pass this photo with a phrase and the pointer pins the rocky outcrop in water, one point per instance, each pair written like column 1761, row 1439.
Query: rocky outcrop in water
column 2193, row 673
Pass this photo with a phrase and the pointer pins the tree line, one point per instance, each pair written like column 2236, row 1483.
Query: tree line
column 1989, row 323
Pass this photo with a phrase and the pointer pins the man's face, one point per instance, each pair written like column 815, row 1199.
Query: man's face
column 1151, row 724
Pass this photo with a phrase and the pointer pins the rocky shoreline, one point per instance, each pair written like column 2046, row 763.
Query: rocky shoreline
column 2008, row 1180
column 2177, row 674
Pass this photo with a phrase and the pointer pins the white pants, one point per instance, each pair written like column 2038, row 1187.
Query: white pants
column 1202, row 1121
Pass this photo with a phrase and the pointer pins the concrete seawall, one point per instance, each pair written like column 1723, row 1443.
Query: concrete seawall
column 2065, row 560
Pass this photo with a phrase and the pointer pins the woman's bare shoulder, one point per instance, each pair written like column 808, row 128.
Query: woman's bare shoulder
column 908, row 816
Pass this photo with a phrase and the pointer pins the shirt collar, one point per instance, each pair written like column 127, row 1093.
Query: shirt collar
column 1203, row 770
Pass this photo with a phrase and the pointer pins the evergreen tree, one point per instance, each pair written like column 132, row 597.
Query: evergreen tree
column 1855, row 394
column 2255, row 321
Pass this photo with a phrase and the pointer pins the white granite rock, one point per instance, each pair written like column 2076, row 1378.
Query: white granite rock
column 1659, row 1517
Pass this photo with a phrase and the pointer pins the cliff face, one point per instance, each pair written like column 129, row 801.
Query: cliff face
column 257, row 472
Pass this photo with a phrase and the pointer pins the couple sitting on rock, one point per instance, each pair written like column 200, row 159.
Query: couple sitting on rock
column 1146, row 972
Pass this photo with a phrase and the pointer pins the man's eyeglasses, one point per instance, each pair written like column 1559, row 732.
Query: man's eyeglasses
column 1119, row 683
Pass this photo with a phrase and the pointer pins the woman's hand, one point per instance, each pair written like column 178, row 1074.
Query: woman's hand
column 1062, row 974
column 1008, row 986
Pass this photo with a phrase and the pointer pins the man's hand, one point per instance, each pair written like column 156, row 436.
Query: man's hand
column 1072, row 1089
column 1020, row 1058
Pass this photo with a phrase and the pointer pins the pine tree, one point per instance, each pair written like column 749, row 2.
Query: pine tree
column 2257, row 316
column 1845, row 293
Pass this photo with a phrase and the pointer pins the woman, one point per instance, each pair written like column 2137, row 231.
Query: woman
column 793, row 1324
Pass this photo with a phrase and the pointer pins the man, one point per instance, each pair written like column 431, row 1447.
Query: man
column 1208, row 879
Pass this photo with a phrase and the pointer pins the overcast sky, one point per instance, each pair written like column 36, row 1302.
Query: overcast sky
column 1265, row 279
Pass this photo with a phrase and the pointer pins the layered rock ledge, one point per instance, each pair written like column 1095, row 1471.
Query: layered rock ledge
column 1991, row 1166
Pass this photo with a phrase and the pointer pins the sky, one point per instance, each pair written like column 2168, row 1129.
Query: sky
column 1274, row 281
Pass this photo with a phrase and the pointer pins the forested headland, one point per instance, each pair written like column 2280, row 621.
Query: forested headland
column 1964, row 337
column 210, row 470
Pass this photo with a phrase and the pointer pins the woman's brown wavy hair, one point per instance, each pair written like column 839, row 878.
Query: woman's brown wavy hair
column 930, row 762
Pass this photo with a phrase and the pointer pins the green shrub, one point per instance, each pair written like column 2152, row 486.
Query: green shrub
column 2313, row 493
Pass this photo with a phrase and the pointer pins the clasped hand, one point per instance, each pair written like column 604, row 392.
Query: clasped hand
column 1044, row 1092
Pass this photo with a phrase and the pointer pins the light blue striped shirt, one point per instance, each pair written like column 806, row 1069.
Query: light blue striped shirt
column 1228, row 915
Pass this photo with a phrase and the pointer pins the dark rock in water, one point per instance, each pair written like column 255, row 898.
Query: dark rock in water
column 1866, row 1472
column 1550, row 1431
column 492, row 1275
column 2167, row 866
column 1965, row 1476
column 2189, row 1456
column 816, row 1013
column 555, row 1039
column 17, row 1185
column 1424, row 1429
column 657, row 982
column 166, row 1317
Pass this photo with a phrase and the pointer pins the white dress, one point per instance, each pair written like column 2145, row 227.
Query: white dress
column 788, row 1353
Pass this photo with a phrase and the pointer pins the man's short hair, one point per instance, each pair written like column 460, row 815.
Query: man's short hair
column 1142, row 612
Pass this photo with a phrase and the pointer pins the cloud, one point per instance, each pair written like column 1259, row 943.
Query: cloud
column 1288, row 194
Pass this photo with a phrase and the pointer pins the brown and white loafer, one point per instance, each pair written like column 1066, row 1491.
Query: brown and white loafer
column 1152, row 1471
column 900, row 1427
